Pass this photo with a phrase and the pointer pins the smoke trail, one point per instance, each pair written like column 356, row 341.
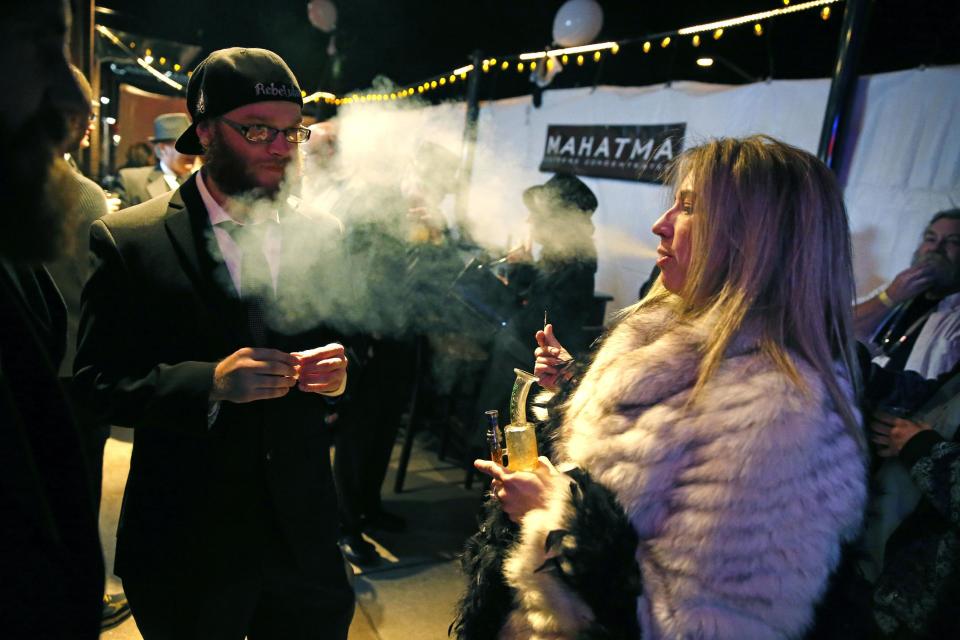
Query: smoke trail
column 392, row 183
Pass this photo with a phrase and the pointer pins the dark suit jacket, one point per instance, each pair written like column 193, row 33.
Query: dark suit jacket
column 158, row 313
column 50, row 559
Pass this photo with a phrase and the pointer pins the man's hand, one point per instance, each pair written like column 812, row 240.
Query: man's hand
column 551, row 357
column 252, row 374
column 323, row 370
column 891, row 433
column 912, row 281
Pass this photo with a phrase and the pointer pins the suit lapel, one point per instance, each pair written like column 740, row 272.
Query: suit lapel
column 188, row 226
column 157, row 184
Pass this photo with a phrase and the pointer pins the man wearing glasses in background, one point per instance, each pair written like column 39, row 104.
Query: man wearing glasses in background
column 230, row 497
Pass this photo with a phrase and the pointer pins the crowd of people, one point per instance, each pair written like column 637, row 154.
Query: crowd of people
column 746, row 452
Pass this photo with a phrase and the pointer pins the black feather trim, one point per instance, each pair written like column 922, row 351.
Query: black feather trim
column 595, row 557
column 487, row 600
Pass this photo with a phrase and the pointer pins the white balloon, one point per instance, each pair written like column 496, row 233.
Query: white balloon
column 322, row 14
column 577, row 22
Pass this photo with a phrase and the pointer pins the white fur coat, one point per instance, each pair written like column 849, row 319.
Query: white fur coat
column 741, row 504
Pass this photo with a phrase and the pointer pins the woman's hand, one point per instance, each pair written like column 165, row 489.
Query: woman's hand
column 520, row 491
column 891, row 433
column 551, row 359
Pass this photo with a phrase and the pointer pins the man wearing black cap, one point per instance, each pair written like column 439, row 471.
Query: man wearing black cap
column 139, row 184
column 230, row 491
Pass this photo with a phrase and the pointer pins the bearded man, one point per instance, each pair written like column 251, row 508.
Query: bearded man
column 913, row 323
column 50, row 555
column 183, row 339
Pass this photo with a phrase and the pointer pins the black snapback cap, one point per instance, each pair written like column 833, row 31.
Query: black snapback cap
column 231, row 78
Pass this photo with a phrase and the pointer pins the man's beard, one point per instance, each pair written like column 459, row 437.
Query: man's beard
column 230, row 171
column 946, row 273
column 38, row 203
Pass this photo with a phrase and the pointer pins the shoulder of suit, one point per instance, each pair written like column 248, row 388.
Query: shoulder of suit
column 137, row 172
column 142, row 215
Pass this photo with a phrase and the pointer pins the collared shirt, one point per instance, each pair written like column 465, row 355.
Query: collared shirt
column 231, row 251
column 169, row 176
column 937, row 349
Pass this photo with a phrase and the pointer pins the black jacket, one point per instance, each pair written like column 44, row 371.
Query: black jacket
column 158, row 314
column 50, row 557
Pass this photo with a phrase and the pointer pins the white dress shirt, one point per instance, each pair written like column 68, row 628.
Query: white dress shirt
column 231, row 251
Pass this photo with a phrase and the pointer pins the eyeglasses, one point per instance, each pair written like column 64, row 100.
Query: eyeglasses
column 262, row 134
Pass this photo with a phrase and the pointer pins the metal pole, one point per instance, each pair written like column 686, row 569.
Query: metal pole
column 843, row 88
column 469, row 144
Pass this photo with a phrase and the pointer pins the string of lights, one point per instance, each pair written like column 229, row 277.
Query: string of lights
column 529, row 62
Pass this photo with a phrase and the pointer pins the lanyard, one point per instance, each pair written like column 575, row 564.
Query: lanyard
column 888, row 346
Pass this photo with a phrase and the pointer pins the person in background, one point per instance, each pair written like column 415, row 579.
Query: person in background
column 139, row 154
column 139, row 184
column 558, row 287
column 917, row 590
column 913, row 323
column 50, row 556
column 70, row 272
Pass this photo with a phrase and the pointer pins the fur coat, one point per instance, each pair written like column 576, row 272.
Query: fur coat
column 740, row 504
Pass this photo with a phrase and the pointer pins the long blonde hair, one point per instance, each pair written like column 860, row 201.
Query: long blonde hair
column 771, row 242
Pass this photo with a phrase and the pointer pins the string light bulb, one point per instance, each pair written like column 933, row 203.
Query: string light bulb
column 520, row 67
column 163, row 61
column 505, row 65
column 493, row 61
column 596, row 56
column 665, row 42
column 133, row 45
column 615, row 49
column 486, row 66
column 550, row 64
column 148, row 52
column 646, row 47
column 696, row 40
column 825, row 13
column 176, row 66
column 565, row 59
column 433, row 84
column 453, row 78
column 463, row 75
column 580, row 60
column 533, row 66
column 718, row 34
column 443, row 81
column 758, row 29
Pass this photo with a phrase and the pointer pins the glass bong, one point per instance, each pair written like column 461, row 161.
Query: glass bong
column 520, row 435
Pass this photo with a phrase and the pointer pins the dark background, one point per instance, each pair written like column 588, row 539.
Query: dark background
column 411, row 40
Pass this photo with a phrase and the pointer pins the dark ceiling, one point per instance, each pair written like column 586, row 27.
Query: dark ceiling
column 410, row 40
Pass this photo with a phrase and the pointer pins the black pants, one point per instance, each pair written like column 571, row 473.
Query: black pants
column 367, row 429
column 279, row 603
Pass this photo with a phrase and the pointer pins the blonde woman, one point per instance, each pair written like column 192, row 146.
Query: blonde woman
column 714, row 463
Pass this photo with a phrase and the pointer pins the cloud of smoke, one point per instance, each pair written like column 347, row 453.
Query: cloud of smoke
column 389, row 173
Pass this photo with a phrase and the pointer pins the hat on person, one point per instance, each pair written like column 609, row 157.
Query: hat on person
column 169, row 126
column 232, row 78
column 562, row 191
